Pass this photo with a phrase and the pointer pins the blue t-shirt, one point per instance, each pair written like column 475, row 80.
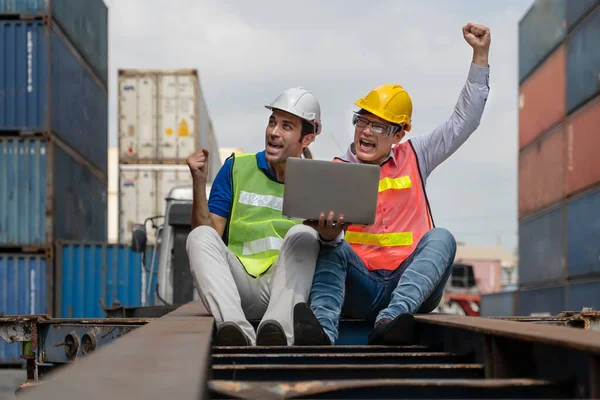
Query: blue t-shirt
column 221, row 197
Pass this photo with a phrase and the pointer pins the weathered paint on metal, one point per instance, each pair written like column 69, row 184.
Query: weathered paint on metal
column 542, row 247
column 542, row 98
column 549, row 300
column 66, row 99
column 576, row 10
column 23, row 286
column 583, row 142
column 499, row 304
column 88, row 272
column 85, row 22
column 583, row 237
column 583, row 62
column 51, row 195
column 541, row 30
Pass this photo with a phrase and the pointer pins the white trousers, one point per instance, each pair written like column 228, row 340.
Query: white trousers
column 230, row 294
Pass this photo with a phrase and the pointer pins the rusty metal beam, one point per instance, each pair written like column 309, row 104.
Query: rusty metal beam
column 166, row 358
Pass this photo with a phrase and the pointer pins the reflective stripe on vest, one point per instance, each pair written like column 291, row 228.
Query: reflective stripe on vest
column 256, row 225
column 402, row 218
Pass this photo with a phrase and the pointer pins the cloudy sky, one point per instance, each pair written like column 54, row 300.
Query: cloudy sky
column 247, row 52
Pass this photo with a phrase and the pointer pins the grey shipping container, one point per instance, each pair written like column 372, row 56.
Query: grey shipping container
column 541, row 247
column 501, row 304
column 583, row 294
column 47, row 87
column 583, row 235
column 48, row 193
column 541, row 30
column 576, row 9
column 583, row 62
column 85, row 22
column 542, row 300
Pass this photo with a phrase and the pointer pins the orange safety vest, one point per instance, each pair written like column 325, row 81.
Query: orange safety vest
column 403, row 214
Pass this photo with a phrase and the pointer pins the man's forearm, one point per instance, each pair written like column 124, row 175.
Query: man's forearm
column 200, row 214
column 481, row 58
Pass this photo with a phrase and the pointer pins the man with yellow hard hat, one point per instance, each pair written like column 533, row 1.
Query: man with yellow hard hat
column 398, row 266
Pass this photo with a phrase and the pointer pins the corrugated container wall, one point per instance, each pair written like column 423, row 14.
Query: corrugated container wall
column 85, row 22
column 543, row 300
column 540, row 31
column 162, row 116
column 501, row 304
column 143, row 192
column 542, row 173
column 583, row 235
column 23, row 291
column 577, row 9
column 583, row 294
column 67, row 99
column 542, row 98
column 583, row 143
column 49, row 195
column 541, row 247
column 215, row 156
column 87, row 272
column 583, row 62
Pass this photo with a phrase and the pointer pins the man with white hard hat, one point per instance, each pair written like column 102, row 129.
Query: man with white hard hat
column 248, row 260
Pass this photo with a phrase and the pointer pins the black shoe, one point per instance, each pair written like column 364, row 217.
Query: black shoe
column 270, row 333
column 229, row 334
column 393, row 332
column 307, row 329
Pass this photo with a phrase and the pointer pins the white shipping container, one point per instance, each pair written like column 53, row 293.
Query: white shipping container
column 162, row 116
column 143, row 192
column 113, row 217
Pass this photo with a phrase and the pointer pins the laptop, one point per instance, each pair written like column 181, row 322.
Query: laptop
column 315, row 186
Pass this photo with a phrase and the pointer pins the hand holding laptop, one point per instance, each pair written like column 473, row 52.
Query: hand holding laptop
column 327, row 228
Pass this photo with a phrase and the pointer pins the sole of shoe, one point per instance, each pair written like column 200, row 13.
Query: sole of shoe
column 229, row 334
column 271, row 333
column 307, row 328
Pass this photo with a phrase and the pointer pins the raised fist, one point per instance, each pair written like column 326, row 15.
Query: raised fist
column 478, row 37
column 198, row 163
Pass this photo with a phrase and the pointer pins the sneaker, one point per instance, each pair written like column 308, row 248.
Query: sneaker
column 393, row 332
column 229, row 334
column 307, row 328
column 270, row 333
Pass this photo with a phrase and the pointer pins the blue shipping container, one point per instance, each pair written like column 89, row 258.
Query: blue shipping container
column 65, row 98
column 501, row 304
column 88, row 272
column 583, row 62
column 583, row 235
column 544, row 300
column 583, row 294
column 577, row 9
column 542, row 247
column 47, row 194
column 23, row 291
column 85, row 22
column 541, row 30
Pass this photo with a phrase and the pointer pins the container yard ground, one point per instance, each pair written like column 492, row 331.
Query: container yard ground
column 9, row 380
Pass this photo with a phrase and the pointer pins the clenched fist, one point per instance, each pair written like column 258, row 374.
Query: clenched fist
column 198, row 163
column 478, row 36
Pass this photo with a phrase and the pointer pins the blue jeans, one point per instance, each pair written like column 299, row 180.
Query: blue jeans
column 416, row 286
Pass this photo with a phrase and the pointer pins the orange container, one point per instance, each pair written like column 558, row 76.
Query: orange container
column 542, row 98
column 583, row 146
column 542, row 173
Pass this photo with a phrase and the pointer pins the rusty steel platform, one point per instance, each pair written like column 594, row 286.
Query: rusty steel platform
column 171, row 357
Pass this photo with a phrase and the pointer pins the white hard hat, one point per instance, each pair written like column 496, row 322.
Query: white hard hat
column 301, row 103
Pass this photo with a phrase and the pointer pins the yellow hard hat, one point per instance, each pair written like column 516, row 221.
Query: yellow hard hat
column 389, row 102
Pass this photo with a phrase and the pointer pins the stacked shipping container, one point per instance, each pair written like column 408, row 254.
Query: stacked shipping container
column 163, row 118
column 559, row 167
column 53, row 140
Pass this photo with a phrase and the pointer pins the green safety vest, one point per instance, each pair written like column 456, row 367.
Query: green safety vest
column 256, row 225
